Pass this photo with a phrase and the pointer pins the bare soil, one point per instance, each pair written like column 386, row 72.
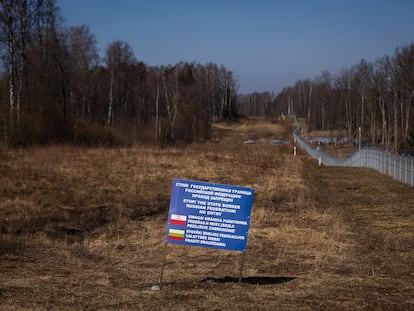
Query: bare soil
column 85, row 229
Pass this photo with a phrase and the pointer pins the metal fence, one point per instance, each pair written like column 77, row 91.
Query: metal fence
column 400, row 167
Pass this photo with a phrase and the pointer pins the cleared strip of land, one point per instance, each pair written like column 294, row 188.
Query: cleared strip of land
column 85, row 228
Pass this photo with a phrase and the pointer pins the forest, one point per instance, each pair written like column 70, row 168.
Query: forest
column 375, row 97
column 54, row 86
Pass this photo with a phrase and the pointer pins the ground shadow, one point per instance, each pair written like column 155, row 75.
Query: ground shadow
column 256, row 280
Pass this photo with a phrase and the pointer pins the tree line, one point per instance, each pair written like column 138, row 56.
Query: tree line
column 376, row 98
column 54, row 86
column 256, row 104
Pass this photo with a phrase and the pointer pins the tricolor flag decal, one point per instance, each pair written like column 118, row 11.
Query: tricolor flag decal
column 174, row 234
column 178, row 219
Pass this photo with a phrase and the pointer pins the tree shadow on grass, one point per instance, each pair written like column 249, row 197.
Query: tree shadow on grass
column 255, row 280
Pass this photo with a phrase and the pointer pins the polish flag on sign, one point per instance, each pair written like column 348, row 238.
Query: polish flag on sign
column 178, row 220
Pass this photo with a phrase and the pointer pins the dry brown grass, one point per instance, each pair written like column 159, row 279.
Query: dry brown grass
column 84, row 229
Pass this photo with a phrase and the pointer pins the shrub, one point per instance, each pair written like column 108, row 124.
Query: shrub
column 93, row 134
column 3, row 150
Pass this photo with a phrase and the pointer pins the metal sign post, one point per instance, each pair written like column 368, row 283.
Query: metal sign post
column 164, row 257
column 241, row 266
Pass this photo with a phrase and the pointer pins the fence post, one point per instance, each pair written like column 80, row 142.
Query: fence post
column 382, row 162
column 396, row 167
column 397, row 164
column 389, row 163
column 412, row 171
column 373, row 153
column 395, row 160
column 379, row 160
column 373, row 158
column 366, row 157
column 406, row 170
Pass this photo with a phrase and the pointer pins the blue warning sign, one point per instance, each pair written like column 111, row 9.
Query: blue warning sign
column 209, row 215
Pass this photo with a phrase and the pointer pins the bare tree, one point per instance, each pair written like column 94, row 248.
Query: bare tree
column 171, row 96
column 9, row 29
column 404, row 76
column 118, row 58
column 382, row 78
column 83, row 55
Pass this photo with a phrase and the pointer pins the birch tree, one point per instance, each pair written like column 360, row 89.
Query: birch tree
column 171, row 97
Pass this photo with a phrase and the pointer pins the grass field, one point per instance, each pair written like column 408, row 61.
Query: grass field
column 85, row 229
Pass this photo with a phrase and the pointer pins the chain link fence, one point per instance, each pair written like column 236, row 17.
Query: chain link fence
column 400, row 167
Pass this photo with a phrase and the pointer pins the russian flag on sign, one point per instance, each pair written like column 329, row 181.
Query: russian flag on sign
column 178, row 219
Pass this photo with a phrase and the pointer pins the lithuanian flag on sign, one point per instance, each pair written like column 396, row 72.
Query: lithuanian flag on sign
column 174, row 234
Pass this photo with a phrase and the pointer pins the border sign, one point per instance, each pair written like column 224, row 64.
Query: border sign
column 209, row 215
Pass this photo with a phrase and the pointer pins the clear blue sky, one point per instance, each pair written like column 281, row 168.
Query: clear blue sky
column 268, row 44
